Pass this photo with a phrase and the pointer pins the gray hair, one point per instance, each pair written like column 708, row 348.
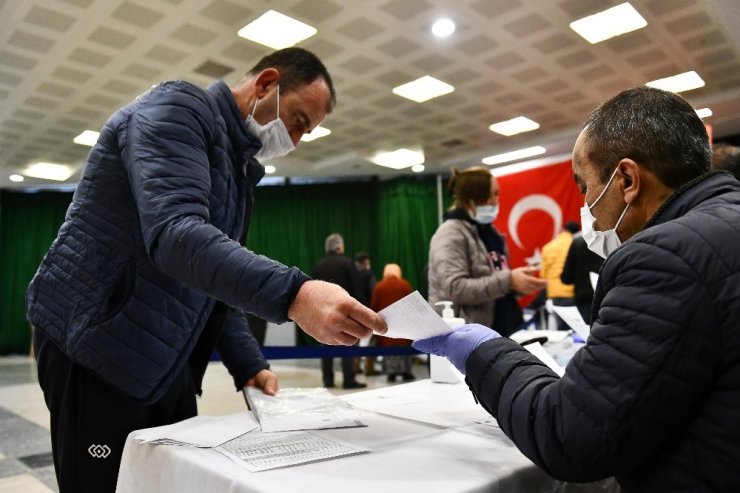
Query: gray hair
column 333, row 243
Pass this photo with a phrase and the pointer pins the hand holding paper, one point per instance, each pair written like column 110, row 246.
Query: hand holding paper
column 411, row 317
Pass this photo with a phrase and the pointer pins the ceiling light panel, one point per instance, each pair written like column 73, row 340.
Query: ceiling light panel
column 704, row 113
column 87, row 138
column 514, row 155
column 678, row 83
column 49, row 171
column 398, row 159
column 514, row 126
column 423, row 89
column 609, row 23
column 316, row 133
column 276, row 30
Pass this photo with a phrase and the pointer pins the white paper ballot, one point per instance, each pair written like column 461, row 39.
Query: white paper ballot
column 200, row 431
column 413, row 318
column 573, row 318
column 257, row 451
column 594, row 277
column 537, row 349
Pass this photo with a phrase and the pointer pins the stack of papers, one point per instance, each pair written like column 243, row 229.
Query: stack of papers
column 301, row 409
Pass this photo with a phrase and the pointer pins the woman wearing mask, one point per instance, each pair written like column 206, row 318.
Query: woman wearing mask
column 468, row 258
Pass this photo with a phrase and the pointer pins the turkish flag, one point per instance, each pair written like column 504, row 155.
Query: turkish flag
column 533, row 207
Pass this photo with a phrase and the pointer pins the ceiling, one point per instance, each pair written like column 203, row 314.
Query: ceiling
column 66, row 65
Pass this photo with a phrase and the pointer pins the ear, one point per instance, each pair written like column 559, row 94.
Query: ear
column 630, row 173
column 265, row 82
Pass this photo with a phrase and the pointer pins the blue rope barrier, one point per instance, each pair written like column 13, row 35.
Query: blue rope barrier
column 314, row 352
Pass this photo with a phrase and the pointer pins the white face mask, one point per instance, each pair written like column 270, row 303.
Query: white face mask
column 486, row 214
column 276, row 141
column 602, row 243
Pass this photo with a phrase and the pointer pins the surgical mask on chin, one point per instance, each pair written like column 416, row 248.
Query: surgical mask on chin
column 276, row 141
column 602, row 243
column 486, row 214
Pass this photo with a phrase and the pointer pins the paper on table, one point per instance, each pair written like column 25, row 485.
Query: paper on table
column 258, row 451
column 200, row 431
column 411, row 317
column 573, row 318
column 301, row 409
column 537, row 349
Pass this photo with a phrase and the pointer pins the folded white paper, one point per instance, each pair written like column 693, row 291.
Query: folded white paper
column 413, row 318
column 537, row 349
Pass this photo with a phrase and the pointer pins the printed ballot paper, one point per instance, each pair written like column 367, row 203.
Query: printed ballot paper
column 573, row 318
column 301, row 409
column 413, row 318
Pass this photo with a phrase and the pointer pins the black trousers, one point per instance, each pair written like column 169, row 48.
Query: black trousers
column 91, row 420
column 327, row 371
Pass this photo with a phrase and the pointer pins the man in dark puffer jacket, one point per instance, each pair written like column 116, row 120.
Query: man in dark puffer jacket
column 148, row 273
column 653, row 399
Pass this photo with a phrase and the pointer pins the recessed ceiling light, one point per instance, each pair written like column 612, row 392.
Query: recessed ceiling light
column 443, row 28
column 16, row 178
column 704, row 113
column 87, row 138
column 609, row 23
column 49, row 171
column 418, row 168
column 398, row 159
column 514, row 126
column 678, row 83
column 276, row 30
column 423, row 89
column 270, row 169
column 316, row 133
column 514, row 155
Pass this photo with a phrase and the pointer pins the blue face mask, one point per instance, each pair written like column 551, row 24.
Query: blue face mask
column 486, row 214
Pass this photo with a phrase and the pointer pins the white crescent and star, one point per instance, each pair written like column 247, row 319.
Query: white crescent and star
column 530, row 203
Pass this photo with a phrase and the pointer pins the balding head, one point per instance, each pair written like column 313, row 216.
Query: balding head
column 392, row 270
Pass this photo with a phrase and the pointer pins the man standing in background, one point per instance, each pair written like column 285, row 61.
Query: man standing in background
column 339, row 269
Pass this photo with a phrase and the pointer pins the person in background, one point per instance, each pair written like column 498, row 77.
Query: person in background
column 653, row 398
column 138, row 288
column 468, row 262
column 367, row 283
column 726, row 157
column 553, row 259
column 338, row 269
column 390, row 289
column 579, row 264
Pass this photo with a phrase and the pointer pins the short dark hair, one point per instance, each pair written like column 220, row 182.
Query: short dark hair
column 572, row 227
column 655, row 128
column 726, row 157
column 297, row 67
column 471, row 184
column 362, row 256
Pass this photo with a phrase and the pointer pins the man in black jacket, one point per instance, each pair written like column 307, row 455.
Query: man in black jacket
column 339, row 269
column 653, row 398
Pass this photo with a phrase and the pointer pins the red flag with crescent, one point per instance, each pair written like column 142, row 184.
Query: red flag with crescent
column 533, row 207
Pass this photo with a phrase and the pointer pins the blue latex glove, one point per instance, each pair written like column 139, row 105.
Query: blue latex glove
column 457, row 345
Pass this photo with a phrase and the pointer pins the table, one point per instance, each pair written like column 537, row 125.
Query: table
column 421, row 435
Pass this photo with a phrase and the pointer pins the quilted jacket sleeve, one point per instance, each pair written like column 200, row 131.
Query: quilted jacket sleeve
column 239, row 349
column 633, row 388
column 166, row 157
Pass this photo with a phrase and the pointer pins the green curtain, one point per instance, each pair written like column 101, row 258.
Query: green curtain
column 28, row 224
column 391, row 220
